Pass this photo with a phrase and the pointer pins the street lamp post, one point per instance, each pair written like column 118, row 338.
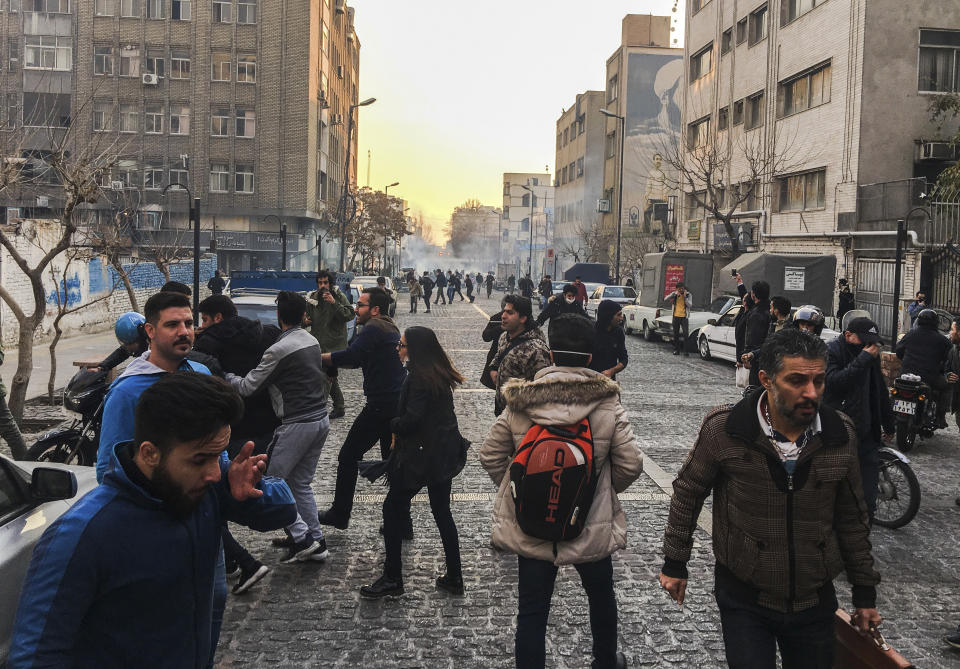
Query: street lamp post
column 530, row 254
column 901, row 242
column 623, row 127
column 345, row 189
column 386, row 192
column 283, row 240
column 194, row 215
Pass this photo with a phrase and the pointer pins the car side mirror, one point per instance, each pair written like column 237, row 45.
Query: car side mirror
column 712, row 321
column 48, row 484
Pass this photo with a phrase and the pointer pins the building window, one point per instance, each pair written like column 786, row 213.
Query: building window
column 738, row 112
column 46, row 110
column 612, row 89
column 802, row 92
column 939, row 71
column 179, row 119
column 14, row 5
column 45, row 52
column 49, row 6
column 566, row 136
column 103, row 115
column 222, row 11
column 220, row 122
column 219, row 178
column 753, row 118
column 103, row 60
column 803, row 192
column 698, row 133
column 128, row 172
column 221, row 66
column 129, row 118
column 701, row 62
column 247, row 69
column 129, row 61
column 179, row 65
column 243, row 181
column 758, row 25
column 726, row 41
column 570, row 170
column 723, row 118
column 13, row 54
column 247, row 11
column 180, row 10
column 246, row 123
column 563, row 175
column 525, row 200
column 325, row 36
column 153, row 176
column 611, row 148
column 155, row 9
column 155, row 63
column 581, row 124
column 178, row 175
column 579, row 167
column 130, row 8
column 741, row 31
column 153, row 118
column 697, row 5
column 791, row 9
column 104, row 7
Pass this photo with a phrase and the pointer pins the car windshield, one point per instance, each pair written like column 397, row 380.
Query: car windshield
column 265, row 313
column 619, row 291
column 719, row 304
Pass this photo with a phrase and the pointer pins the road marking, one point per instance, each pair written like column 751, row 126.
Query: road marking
column 482, row 312
column 664, row 481
column 421, row 498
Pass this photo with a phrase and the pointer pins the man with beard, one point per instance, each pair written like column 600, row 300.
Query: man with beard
column 125, row 577
column 788, row 513
column 855, row 386
column 328, row 313
column 567, row 303
column 522, row 349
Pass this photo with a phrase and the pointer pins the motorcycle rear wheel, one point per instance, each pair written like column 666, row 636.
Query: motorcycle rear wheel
column 61, row 450
column 898, row 493
column 906, row 436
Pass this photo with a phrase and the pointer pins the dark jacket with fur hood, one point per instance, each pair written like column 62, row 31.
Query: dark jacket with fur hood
column 564, row 396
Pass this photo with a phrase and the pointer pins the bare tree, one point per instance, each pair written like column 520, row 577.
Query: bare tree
column 592, row 242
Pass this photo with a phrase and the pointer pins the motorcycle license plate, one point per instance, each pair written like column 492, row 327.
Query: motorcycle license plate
column 903, row 406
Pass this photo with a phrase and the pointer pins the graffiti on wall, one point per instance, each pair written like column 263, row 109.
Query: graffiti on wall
column 68, row 292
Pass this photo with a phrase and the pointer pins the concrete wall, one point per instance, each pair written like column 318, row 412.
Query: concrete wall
column 87, row 280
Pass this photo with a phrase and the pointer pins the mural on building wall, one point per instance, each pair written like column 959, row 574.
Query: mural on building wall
column 652, row 128
column 69, row 291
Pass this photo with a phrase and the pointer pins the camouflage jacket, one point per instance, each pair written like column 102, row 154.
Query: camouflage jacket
column 527, row 355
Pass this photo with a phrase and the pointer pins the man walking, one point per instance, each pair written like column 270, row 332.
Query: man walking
column 124, row 577
column 416, row 292
column 855, row 386
column 610, row 345
column 757, row 328
column 788, row 514
column 919, row 304
column 681, row 300
column 545, row 289
column 427, row 284
column 468, row 283
column 521, row 351
column 563, row 395
column 489, row 284
column 292, row 373
column 526, row 286
column 441, row 284
column 565, row 304
column 374, row 350
column 845, row 300
column 581, row 291
column 216, row 284
column 328, row 312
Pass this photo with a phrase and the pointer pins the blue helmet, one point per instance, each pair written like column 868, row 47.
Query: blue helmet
column 128, row 327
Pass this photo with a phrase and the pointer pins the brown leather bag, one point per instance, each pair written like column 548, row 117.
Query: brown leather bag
column 856, row 651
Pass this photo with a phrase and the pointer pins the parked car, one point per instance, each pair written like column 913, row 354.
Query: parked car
column 361, row 282
column 642, row 319
column 695, row 319
column 261, row 305
column 32, row 496
column 717, row 338
column 624, row 295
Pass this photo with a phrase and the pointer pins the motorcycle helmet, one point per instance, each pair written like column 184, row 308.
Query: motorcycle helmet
column 928, row 319
column 128, row 327
column 809, row 313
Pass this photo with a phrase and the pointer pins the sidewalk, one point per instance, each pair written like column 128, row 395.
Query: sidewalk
column 84, row 346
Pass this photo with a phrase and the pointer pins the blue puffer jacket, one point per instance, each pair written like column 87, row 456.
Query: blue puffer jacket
column 375, row 351
column 119, row 581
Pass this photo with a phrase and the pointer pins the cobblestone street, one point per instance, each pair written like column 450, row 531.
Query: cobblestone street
column 311, row 615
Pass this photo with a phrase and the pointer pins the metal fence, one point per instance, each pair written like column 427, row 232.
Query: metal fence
column 880, row 205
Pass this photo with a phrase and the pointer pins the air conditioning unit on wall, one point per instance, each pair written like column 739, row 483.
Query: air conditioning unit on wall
column 603, row 206
column 150, row 79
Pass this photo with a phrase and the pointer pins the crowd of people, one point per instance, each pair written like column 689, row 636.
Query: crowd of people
column 226, row 422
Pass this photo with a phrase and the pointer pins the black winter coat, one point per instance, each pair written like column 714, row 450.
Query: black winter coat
column 558, row 306
column 757, row 329
column 429, row 447
column 491, row 333
column 855, row 386
column 924, row 352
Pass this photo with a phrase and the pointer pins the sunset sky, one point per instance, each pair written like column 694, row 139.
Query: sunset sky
column 469, row 90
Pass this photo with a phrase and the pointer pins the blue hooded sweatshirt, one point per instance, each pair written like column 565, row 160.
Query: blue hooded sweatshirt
column 120, row 581
column 121, row 404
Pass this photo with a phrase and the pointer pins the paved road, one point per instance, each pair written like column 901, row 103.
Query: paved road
column 311, row 615
column 68, row 350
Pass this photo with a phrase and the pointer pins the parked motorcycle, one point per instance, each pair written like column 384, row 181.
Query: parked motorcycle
column 898, row 493
column 78, row 443
column 915, row 409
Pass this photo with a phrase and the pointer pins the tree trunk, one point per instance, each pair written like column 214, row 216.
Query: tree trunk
column 131, row 294
column 52, row 379
column 18, row 389
column 734, row 242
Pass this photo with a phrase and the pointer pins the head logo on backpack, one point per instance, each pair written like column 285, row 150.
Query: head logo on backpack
column 552, row 480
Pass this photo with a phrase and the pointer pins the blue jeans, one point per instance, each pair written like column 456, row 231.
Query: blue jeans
column 751, row 634
column 219, row 604
column 535, row 589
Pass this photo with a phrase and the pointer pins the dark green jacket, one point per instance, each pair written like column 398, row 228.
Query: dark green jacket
column 328, row 322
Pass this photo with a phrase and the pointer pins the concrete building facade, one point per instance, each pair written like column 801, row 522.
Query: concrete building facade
column 243, row 101
column 524, row 241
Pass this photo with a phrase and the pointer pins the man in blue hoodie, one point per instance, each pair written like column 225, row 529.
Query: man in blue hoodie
column 169, row 327
column 374, row 350
column 125, row 577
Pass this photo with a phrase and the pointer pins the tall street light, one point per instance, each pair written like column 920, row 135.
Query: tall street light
column 530, row 254
column 623, row 124
column 345, row 190
column 386, row 192
column 283, row 240
column 901, row 242
column 194, row 214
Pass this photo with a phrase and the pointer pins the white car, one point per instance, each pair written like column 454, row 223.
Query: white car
column 642, row 319
column 624, row 295
column 695, row 319
column 717, row 338
column 32, row 496
column 261, row 305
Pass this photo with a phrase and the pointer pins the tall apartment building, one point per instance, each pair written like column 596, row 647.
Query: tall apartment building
column 578, row 180
column 642, row 87
column 835, row 98
column 526, row 230
column 243, row 101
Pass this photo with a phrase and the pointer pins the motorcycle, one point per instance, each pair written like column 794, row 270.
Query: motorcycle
column 915, row 409
column 898, row 490
column 76, row 444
